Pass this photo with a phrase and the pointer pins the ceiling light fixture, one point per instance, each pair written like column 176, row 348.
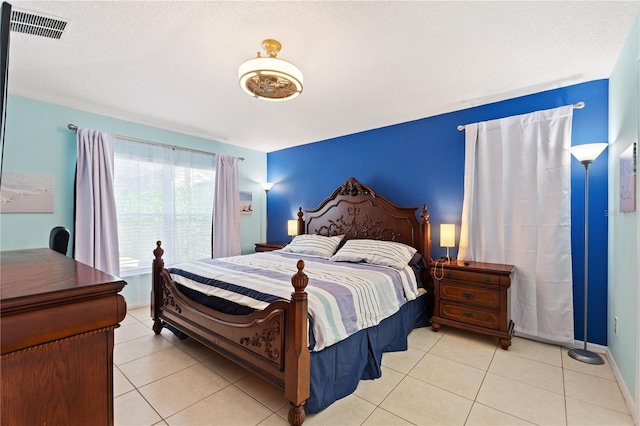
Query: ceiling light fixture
column 270, row 78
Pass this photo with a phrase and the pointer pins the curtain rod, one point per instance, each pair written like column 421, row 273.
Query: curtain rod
column 74, row 128
column 578, row 105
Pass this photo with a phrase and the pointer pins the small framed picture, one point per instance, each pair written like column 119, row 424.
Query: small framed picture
column 628, row 168
column 26, row 193
column 246, row 202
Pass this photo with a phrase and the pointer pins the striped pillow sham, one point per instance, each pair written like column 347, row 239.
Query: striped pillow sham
column 376, row 252
column 314, row 245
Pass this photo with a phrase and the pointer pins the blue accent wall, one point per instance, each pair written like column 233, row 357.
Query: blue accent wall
column 422, row 162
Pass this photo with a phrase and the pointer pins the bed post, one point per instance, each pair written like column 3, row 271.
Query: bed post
column 427, row 279
column 425, row 231
column 301, row 229
column 298, row 357
column 156, row 287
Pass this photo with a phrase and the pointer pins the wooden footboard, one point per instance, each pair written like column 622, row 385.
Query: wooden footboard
column 272, row 343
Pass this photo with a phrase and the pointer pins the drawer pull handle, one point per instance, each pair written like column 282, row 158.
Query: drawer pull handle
column 487, row 280
column 467, row 295
column 467, row 314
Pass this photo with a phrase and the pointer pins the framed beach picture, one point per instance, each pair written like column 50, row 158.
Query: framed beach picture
column 26, row 193
column 246, row 202
column 628, row 173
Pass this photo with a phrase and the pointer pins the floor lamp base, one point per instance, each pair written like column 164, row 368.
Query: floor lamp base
column 586, row 356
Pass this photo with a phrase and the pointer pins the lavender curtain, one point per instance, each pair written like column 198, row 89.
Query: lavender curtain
column 226, row 208
column 96, row 229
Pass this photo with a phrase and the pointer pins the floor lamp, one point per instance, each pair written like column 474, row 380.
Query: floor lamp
column 586, row 154
column 266, row 186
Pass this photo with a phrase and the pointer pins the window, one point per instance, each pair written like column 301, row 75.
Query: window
column 163, row 194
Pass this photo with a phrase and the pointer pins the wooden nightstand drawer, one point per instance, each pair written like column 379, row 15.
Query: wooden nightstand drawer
column 468, row 276
column 469, row 294
column 261, row 247
column 471, row 315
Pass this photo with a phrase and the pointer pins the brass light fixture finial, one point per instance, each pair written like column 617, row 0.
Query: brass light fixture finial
column 272, row 47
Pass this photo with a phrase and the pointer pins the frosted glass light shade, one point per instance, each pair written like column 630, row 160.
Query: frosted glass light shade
column 447, row 235
column 292, row 228
column 589, row 152
column 271, row 79
column 267, row 185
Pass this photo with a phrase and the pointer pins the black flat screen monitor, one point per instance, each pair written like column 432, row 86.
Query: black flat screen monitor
column 4, row 74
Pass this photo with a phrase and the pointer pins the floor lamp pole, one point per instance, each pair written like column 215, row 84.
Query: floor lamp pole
column 266, row 186
column 266, row 215
column 583, row 354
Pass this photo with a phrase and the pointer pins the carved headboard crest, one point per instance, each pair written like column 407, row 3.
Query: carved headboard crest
column 355, row 211
column 354, row 188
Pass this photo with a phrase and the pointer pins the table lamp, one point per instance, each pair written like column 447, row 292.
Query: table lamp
column 447, row 236
column 292, row 228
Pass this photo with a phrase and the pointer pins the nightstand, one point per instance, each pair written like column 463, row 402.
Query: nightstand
column 269, row 246
column 473, row 296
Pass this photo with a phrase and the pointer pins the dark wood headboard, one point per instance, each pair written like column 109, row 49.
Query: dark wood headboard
column 356, row 211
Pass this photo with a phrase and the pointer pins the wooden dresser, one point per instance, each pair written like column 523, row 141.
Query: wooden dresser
column 57, row 318
column 473, row 296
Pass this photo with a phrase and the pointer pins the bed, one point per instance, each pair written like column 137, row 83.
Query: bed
column 280, row 340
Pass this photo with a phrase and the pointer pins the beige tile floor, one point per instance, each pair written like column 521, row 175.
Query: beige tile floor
column 445, row 378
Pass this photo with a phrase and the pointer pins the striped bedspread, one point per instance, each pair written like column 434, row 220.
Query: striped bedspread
column 343, row 297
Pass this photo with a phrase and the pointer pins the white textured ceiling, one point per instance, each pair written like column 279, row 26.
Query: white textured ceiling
column 174, row 64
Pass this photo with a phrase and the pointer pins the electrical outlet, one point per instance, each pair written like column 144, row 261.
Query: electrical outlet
column 615, row 325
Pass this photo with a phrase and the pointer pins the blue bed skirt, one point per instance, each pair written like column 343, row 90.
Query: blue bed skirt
column 337, row 369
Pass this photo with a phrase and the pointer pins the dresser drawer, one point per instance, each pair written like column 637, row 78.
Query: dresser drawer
column 469, row 276
column 481, row 296
column 470, row 315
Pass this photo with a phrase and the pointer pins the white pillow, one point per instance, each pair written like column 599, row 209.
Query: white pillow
column 376, row 252
column 314, row 245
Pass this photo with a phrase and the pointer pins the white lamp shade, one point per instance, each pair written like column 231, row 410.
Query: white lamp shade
column 292, row 227
column 589, row 152
column 267, row 185
column 447, row 235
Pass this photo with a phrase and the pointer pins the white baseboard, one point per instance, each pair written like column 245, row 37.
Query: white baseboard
column 593, row 347
column 628, row 399
column 137, row 305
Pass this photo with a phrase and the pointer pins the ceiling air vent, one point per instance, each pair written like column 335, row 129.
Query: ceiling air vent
column 37, row 24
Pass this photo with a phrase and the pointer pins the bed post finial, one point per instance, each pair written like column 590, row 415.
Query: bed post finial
column 158, row 251
column 300, row 222
column 424, row 214
column 300, row 279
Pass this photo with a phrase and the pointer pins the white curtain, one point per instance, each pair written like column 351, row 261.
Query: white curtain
column 517, row 210
column 226, row 208
column 96, row 229
column 162, row 193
